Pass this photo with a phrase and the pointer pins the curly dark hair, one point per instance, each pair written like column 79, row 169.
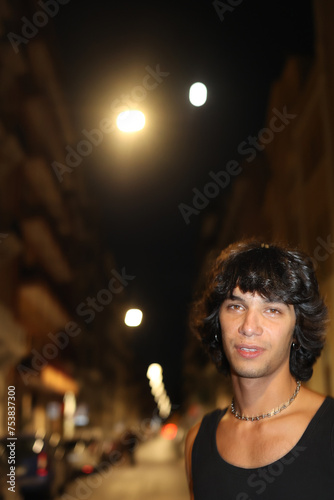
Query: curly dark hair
column 277, row 273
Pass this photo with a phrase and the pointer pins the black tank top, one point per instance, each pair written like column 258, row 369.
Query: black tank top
column 305, row 473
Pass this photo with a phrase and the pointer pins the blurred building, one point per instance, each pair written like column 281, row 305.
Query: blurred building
column 285, row 189
column 52, row 251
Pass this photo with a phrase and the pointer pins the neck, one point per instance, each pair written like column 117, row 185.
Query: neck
column 257, row 396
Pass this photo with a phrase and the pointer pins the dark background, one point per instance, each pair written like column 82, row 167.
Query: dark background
column 139, row 181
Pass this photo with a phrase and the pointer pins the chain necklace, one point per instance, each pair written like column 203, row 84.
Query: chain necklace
column 271, row 413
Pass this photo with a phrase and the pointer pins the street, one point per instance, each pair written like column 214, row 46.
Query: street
column 158, row 474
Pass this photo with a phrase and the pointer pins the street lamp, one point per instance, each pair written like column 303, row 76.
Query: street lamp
column 131, row 120
column 133, row 317
column 154, row 374
column 198, row 94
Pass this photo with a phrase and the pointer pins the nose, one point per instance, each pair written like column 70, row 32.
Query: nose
column 250, row 324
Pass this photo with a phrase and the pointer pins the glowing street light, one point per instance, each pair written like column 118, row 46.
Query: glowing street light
column 133, row 317
column 198, row 94
column 131, row 120
column 158, row 391
column 154, row 372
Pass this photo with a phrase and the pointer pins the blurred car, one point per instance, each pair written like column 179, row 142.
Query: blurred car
column 39, row 475
column 120, row 449
column 82, row 456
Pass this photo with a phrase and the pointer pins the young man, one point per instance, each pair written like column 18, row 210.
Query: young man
column 262, row 320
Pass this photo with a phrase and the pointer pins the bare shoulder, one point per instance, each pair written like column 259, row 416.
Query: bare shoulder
column 191, row 436
column 192, row 433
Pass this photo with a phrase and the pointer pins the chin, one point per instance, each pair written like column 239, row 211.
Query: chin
column 251, row 372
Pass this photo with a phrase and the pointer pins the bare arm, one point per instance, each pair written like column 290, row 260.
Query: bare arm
column 188, row 450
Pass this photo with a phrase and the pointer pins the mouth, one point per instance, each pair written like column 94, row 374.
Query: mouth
column 249, row 352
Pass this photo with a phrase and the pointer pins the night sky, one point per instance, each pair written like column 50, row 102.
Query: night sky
column 139, row 181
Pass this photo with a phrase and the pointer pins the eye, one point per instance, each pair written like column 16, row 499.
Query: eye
column 274, row 311
column 235, row 307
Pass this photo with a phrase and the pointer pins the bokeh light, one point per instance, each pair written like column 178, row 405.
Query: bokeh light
column 133, row 317
column 131, row 120
column 154, row 372
column 198, row 94
column 169, row 431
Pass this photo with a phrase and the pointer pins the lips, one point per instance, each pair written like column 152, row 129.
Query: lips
column 249, row 351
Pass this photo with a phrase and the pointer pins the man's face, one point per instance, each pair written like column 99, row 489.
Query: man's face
column 256, row 334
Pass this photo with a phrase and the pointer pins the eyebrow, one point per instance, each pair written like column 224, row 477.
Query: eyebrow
column 236, row 297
